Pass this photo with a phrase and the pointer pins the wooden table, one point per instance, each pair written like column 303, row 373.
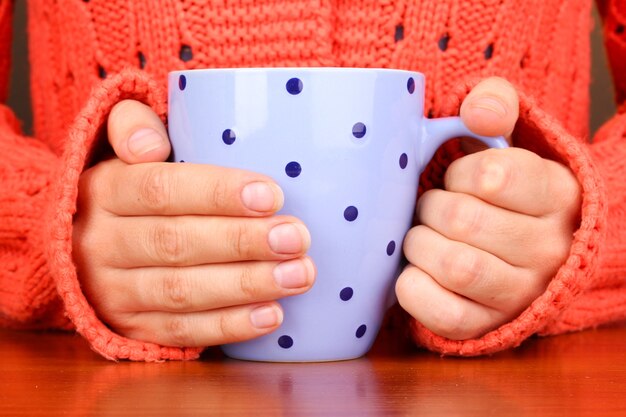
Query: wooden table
column 580, row 374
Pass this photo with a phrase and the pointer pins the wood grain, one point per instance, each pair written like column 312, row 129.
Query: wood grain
column 580, row 374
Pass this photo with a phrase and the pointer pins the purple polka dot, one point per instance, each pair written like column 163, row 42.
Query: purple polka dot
column 293, row 169
column 404, row 160
column 182, row 160
column 391, row 248
column 182, row 82
column 285, row 342
column 361, row 331
column 346, row 293
column 294, row 86
column 350, row 213
column 358, row 130
column 228, row 136
column 410, row 85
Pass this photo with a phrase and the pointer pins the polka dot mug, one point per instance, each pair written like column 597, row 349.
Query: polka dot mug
column 347, row 147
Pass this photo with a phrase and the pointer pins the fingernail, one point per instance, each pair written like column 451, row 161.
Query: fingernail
column 289, row 238
column 490, row 104
column 265, row 317
column 262, row 196
column 293, row 274
column 145, row 140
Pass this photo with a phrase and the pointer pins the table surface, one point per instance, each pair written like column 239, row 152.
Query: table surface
column 579, row 374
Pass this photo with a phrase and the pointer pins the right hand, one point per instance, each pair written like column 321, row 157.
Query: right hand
column 183, row 254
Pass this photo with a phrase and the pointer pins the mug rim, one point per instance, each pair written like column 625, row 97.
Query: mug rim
column 302, row 69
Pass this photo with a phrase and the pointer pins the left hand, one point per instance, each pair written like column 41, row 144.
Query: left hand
column 489, row 243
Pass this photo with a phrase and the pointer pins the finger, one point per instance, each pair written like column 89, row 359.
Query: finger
column 515, row 179
column 134, row 242
column 515, row 238
column 491, row 108
column 177, row 189
column 206, row 328
column 137, row 134
column 208, row 287
column 471, row 272
column 443, row 312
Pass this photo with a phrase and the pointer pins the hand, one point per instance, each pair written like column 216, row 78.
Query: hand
column 183, row 254
column 488, row 245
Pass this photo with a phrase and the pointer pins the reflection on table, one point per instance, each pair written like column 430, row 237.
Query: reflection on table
column 577, row 374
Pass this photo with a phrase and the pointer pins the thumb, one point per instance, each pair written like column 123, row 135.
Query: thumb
column 491, row 108
column 137, row 134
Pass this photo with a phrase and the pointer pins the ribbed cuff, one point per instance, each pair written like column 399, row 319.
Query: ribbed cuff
column 83, row 137
column 540, row 133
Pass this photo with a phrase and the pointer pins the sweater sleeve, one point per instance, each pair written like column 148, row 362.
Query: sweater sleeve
column 28, row 297
column 539, row 132
column 590, row 287
column 605, row 298
column 83, row 137
column 39, row 288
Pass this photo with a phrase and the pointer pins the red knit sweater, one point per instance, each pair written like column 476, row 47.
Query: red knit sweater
column 88, row 55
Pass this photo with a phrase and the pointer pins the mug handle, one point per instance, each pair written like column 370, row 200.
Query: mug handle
column 435, row 132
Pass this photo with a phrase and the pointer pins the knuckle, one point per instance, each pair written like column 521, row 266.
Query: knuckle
column 175, row 291
column 178, row 329
column 463, row 218
column 168, row 242
column 219, row 193
column 247, row 284
column 225, row 327
column 155, row 188
column 494, row 173
column 464, row 268
column 240, row 241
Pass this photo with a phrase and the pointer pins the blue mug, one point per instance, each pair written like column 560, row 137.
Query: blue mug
column 347, row 146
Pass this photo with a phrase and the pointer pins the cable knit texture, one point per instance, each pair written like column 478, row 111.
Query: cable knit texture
column 87, row 55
